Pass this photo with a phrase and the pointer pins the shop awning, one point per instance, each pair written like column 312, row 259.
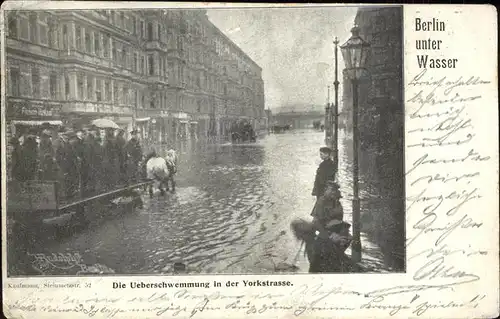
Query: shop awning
column 144, row 119
column 36, row 123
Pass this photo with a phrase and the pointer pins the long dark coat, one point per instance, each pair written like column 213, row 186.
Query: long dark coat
column 47, row 165
column 29, row 158
column 110, row 162
column 89, row 164
column 324, row 173
column 16, row 164
column 133, row 151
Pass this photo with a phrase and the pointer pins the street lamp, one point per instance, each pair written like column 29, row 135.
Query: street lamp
column 355, row 52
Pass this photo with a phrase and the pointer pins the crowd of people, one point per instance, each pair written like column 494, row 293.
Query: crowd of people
column 84, row 160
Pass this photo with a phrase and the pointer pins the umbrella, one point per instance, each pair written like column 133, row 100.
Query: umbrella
column 105, row 123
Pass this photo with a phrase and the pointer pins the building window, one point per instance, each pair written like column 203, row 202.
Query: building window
column 90, row 88
column 134, row 24
column 151, row 64
column 15, row 80
column 107, row 91
column 88, row 43
column 78, row 40
column 97, row 44
column 80, row 86
column 98, row 93
column 124, row 57
column 65, row 36
column 125, row 96
column 159, row 32
column 43, row 34
column 143, row 101
column 150, row 31
column 114, row 57
column 35, row 82
column 152, row 103
column 135, row 62
column 122, row 19
column 142, row 29
column 33, row 27
column 52, row 35
column 105, row 44
column 66, row 86
column 12, row 26
column 115, row 92
column 143, row 65
column 53, row 85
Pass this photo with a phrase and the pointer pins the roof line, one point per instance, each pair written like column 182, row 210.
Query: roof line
column 231, row 42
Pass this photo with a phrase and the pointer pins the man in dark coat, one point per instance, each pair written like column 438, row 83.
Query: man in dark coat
column 121, row 156
column 89, row 161
column 47, row 156
column 325, row 173
column 61, row 153
column 134, row 155
column 16, row 158
column 74, row 158
column 29, row 156
column 110, row 160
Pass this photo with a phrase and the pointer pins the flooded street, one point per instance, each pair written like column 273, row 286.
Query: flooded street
column 231, row 212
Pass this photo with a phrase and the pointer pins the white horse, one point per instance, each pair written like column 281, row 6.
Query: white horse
column 157, row 169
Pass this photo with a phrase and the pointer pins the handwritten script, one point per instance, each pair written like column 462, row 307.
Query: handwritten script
column 444, row 173
column 302, row 301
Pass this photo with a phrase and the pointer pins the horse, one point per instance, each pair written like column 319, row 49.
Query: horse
column 157, row 169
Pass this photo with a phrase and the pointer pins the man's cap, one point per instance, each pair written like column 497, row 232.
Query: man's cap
column 134, row 131
column 325, row 149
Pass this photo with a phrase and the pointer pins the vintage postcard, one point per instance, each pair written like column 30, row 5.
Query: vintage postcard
column 208, row 160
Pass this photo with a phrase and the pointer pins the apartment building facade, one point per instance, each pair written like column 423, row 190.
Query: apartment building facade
column 171, row 73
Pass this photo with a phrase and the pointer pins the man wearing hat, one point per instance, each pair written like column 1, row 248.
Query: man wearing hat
column 47, row 156
column 325, row 172
column 121, row 156
column 90, row 162
column 134, row 155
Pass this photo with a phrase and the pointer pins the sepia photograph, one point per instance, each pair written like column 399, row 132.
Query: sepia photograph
column 192, row 141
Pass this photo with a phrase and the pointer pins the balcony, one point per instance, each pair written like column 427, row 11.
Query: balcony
column 77, row 56
column 176, row 84
column 33, row 49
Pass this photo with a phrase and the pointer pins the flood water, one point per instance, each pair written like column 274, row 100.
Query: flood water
column 231, row 212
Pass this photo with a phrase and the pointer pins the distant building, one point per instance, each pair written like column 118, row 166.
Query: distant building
column 299, row 116
column 172, row 73
column 381, row 121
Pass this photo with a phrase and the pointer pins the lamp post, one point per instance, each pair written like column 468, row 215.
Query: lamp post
column 328, row 136
column 335, row 110
column 355, row 52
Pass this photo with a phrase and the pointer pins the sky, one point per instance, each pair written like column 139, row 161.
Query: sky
column 294, row 47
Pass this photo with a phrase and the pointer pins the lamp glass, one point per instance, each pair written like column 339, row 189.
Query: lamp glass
column 355, row 51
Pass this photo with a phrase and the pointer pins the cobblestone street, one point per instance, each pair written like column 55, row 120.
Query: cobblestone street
column 231, row 212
